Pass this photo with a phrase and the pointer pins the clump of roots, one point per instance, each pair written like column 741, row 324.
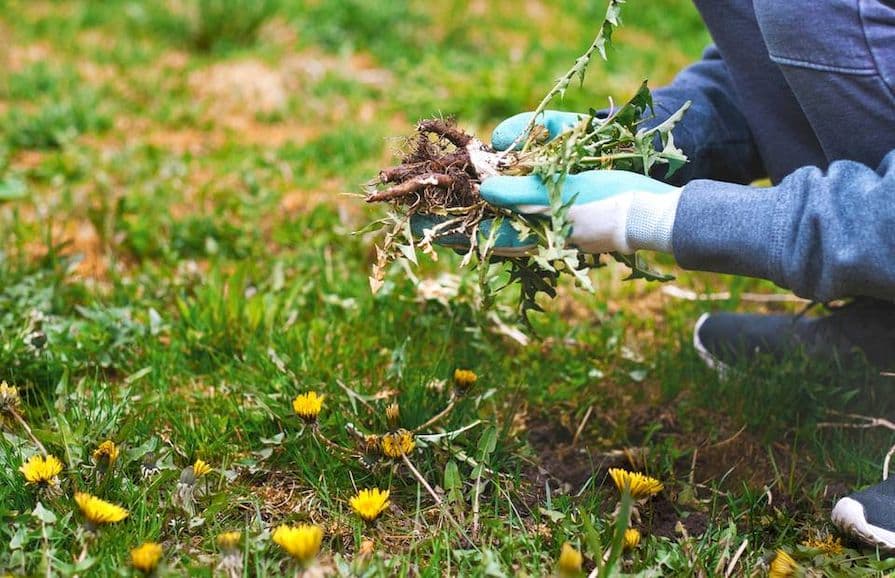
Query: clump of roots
column 439, row 173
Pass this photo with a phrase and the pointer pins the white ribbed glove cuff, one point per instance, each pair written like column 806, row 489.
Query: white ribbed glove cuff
column 651, row 220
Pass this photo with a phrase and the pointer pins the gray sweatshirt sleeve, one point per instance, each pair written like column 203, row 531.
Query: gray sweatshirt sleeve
column 714, row 133
column 824, row 235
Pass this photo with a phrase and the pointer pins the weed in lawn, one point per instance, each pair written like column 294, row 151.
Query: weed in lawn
column 231, row 285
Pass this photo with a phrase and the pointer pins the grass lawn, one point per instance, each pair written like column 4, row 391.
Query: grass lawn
column 178, row 189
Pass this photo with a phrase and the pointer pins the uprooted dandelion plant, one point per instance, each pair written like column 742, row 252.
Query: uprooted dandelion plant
column 441, row 170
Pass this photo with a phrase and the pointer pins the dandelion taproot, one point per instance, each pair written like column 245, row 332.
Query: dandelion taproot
column 397, row 444
column 302, row 542
column 369, row 504
column 146, row 557
column 783, row 565
column 105, row 454
column 42, row 471
column 308, row 405
column 570, row 561
column 631, row 539
column 99, row 511
column 639, row 485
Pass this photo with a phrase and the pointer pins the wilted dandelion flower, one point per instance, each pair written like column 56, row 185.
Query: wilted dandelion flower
column 827, row 545
column 146, row 557
column 42, row 471
column 370, row 503
column 185, row 493
column 632, row 538
column 392, row 414
column 231, row 554
column 782, row 566
column 639, row 485
column 464, row 379
column 570, row 560
column 105, row 454
column 397, row 444
column 9, row 398
column 149, row 466
column 302, row 542
column 99, row 511
column 229, row 540
column 308, row 405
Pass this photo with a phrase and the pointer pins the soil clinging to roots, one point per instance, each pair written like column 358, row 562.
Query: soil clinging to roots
column 437, row 172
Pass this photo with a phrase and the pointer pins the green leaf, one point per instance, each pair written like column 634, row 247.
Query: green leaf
column 43, row 514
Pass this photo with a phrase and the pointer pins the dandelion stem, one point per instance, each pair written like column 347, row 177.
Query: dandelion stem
column 452, row 402
column 438, row 501
column 318, row 435
column 598, row 44
column 27, row 429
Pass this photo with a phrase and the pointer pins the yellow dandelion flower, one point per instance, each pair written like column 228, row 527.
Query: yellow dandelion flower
column 639, row 485
column 393, row 413
column 397, row 444
column 200, row 468
column 302, row 542
column 229, row 540
column 464, row 378
column 308, row 406
column 632, row 538
column 146, row 556
column 783, row 566
column 570, row 561
column 41, row 470
column 99, row 511
column 106, row 453
column 370, row 503
column 827, row 545
column 9, row 397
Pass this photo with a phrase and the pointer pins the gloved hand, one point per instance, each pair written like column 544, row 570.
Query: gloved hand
column 555, row 121
column 612, row 210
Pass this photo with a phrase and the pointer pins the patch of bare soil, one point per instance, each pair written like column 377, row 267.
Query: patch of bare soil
column 660, row 517
column 234, row 89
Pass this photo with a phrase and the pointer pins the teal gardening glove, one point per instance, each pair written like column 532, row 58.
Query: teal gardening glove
column 612, row 210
